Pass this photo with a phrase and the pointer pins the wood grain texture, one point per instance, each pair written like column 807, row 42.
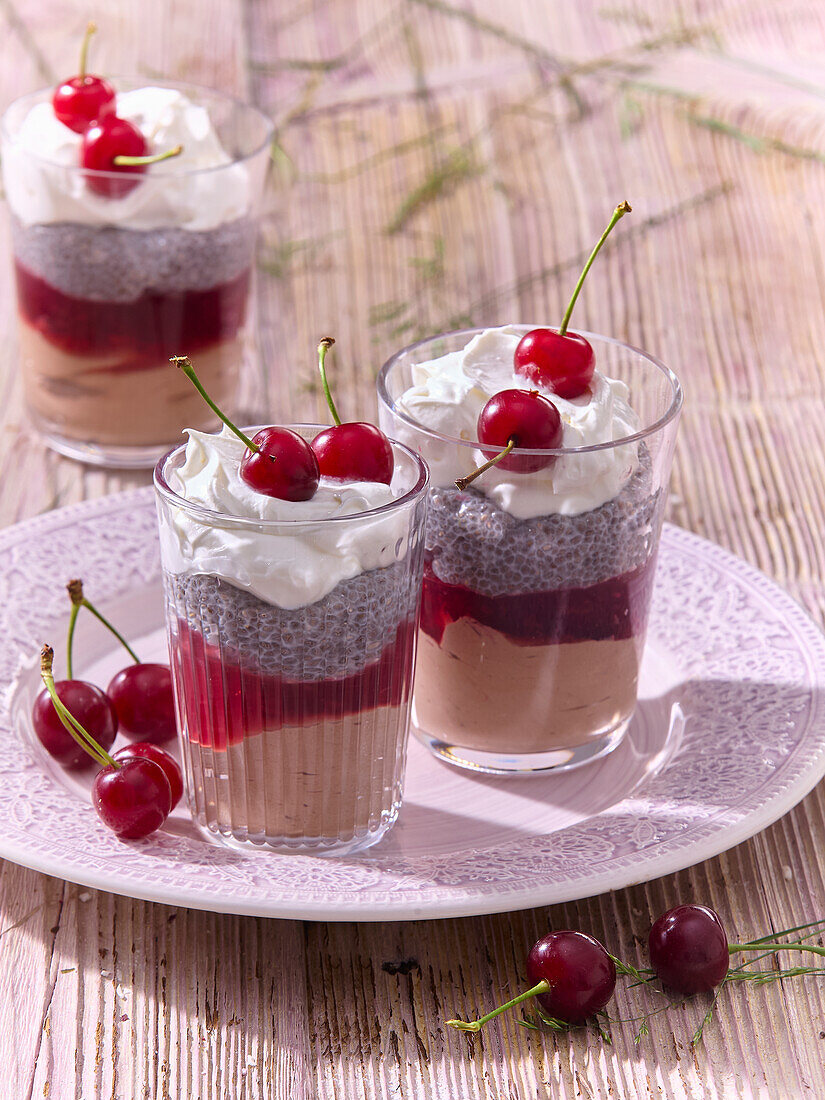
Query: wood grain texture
column 448, row 162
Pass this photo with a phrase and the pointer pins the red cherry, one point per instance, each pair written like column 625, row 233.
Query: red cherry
column 354, row 452
column 149, row 751
column 563, row 364
column 581, row 974
column 108, row 138
column 285, row 466
column 689, row 949
column 528, row 419
column 82, row 100
column 133, row 800
column 142, row 696
column 92, row 708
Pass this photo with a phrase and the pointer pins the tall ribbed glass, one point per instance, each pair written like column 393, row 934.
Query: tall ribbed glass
column 293, row 720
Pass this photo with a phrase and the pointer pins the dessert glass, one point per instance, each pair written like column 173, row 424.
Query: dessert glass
column 293, row 722
column 532, row 630
column 109, row 288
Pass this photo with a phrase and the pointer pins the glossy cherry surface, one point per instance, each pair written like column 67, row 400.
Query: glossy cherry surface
column 689, row 949
column 149, row 751
column 581, row 974
column 563, row 364
column 82, row 100
column 143, row 698
column 354, row 452
column 108, row 138
column 285, row 467
column 528, row 419
column 133, row 800
column 89, row 705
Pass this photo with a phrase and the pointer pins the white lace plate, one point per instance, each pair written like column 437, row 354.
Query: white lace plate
column 729, row 735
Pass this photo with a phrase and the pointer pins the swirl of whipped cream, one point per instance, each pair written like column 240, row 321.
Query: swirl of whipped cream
column 447, row 395
column 290, row 566
column 44, row 183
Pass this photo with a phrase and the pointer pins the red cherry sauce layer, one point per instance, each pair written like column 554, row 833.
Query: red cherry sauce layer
column 614, row 609
column 150, row 328
column 222, row 701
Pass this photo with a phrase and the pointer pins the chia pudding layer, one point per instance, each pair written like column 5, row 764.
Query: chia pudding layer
column 102, row 309
column 554, row 607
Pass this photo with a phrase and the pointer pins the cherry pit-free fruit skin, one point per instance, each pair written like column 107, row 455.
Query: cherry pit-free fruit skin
column 529, row 420
column 688, row 949
column 159, row 756
column 145, row 703
column 92, row 708
column 581, row 974
column 134, row 799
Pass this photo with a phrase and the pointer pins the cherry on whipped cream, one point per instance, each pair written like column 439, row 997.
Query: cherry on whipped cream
column 83, row 99
column 114, row 145
column 562, row 361
column 277, row 461
column 356, row 451
column 517, row 418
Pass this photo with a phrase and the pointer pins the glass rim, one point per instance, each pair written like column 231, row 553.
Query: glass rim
column 97, row 173
column 166, row 492
column 673, row 410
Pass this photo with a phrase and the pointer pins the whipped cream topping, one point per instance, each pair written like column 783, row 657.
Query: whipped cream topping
column 447, row 395
column 288, row 567
column 171, row 193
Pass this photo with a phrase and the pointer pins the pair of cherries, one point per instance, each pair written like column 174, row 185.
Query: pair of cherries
column 280, row 463
column 559, row 362
column 575, row 975
column 77, row 722
column 86, row 104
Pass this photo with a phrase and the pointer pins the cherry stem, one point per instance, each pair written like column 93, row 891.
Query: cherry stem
column 75, row 590
column 91, row 28
column 185, row 364
column 476, row 1025
column 77, row 731
column 762, row 945
column 323, row 348
column 153, row 158
column 620, row 211
column 462, row 482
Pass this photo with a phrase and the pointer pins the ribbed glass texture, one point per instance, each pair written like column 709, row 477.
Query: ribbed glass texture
column 293, row 722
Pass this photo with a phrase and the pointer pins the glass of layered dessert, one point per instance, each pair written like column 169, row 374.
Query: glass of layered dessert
column 292, row 630
column 539, row 571
column 120, row 262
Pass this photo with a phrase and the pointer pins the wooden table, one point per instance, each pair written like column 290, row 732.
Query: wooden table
column 443, row 162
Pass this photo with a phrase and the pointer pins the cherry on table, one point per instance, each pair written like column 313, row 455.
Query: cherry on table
column 143, row 698
column 580, row 973
column 688, row 949
column 83, row 99
column 355, row 451
column 133, row 799
column 92, row 708
column 153, row 752
column 526, row 418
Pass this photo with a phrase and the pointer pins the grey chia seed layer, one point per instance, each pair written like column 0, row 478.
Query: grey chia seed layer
column 473, row 542
column 335, row 637
column 113, row 264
